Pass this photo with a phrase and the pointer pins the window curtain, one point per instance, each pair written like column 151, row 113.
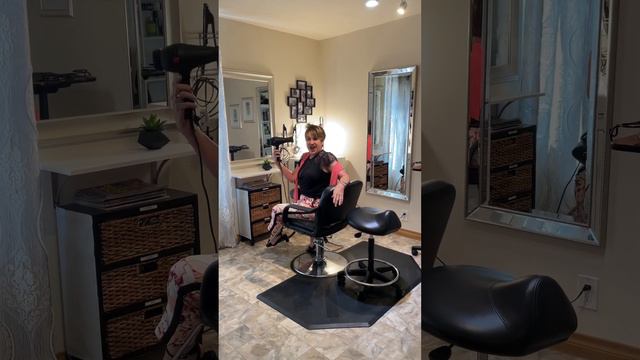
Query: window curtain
column 568, row 57
column 228, row 228
column 397, row 99
column 25, row 305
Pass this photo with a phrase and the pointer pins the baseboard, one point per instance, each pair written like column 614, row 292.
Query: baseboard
column 593, row 348
column 410, row 234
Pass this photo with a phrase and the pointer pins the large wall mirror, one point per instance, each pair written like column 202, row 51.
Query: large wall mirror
column 113, row 41
column 390, row 130
column 540, row 86
column 249, row 103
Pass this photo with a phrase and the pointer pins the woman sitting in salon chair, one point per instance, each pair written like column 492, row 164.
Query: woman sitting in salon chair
column 317, row 170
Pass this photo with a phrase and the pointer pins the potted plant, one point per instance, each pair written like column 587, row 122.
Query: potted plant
column 151, row 135
column 266, row 164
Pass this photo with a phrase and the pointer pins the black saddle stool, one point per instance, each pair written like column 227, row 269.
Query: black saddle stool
column 371, row 271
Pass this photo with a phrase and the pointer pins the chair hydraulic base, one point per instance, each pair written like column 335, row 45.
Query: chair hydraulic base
column 322, row 264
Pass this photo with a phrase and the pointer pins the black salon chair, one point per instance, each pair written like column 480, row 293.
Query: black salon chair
column 482, row 309
column 369, row 271
column 328, row 220
column 208, row 310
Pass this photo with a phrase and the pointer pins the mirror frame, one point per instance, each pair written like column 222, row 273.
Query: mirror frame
column 243, row 75
column 594, row 232
column 413, row 70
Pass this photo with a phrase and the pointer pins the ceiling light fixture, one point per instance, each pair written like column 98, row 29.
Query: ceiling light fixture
column 402, row 8
column 371, row 3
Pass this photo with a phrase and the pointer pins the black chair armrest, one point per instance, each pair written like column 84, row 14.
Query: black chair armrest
column 177, row 310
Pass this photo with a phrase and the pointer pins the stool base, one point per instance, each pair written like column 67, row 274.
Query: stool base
column 376, row 274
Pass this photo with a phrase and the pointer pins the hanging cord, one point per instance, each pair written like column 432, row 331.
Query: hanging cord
column 565, row 189
column 585, row 288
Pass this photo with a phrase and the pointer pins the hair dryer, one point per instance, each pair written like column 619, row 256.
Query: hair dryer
column 181, row 59
column 278, row 141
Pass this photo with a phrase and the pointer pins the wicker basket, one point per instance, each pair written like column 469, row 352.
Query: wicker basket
column 138, row 282
column 264, row 197
column 505, row 183
column 518, row 204
column 133, row 331
column 145, row 234
column 260, row 227
column 261, row 212
column 512, row 149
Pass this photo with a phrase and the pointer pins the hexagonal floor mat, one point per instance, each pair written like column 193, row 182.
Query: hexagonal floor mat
column 322, row 304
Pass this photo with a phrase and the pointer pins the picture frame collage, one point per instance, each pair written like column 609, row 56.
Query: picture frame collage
column 301, row 101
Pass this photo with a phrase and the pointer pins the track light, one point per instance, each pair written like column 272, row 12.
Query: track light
column 402, row 8
column 371, row 3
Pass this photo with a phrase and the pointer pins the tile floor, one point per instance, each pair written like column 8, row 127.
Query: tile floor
column 250, row 329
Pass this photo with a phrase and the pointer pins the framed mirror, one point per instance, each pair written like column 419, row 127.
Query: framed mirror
column 540, row 104
column 100, row 59
column 249, row 103
column 389, row 131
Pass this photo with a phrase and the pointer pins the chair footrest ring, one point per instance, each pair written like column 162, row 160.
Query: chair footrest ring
column 306, row 264
column 358, row 271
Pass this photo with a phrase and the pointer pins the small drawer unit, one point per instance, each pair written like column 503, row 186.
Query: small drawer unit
column 255, row 202
column 114, row 266
column 512, row 170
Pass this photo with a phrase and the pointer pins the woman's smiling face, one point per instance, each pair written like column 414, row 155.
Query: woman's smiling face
column 314, row 145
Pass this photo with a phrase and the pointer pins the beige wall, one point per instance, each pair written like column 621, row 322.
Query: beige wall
column 444, row 79
column 338, row 70
column 346, row 63
column 286, row 57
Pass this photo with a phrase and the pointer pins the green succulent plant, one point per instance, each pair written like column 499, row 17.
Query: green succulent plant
column 152, row 123
column 266, row 162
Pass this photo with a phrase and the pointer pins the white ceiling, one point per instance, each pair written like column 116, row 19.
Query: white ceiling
column 315, row 19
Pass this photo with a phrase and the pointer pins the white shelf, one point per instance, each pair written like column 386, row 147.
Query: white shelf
column 102, row 155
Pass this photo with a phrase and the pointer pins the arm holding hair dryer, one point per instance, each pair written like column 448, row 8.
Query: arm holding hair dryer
column 182, row 59
column 185, row 102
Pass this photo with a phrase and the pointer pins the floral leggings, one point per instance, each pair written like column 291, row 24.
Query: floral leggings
column 276, row 226
column 184, row 272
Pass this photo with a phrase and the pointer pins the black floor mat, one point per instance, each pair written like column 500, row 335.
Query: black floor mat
column 322, row 304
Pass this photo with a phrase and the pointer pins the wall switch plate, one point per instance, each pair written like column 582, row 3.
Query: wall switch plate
column 588, row 299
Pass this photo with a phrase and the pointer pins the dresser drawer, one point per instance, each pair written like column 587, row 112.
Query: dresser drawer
column 264, row 197
column 260, row 227
column 261, row 212
column 518, row 179
column 133, row 331
column 146, row 234
column 138, row 282
column 511, row 147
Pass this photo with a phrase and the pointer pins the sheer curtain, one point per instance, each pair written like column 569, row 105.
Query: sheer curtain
column 396, row 126
column 568, row 57
column 228, row 228
column 25, row 305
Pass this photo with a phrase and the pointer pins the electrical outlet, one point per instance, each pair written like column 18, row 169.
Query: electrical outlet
column 589, row 299
column 404, row 215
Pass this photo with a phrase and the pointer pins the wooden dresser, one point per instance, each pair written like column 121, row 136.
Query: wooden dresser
column 512, row 168
column 381, row 175
column 255, row 201
column 114, row 267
